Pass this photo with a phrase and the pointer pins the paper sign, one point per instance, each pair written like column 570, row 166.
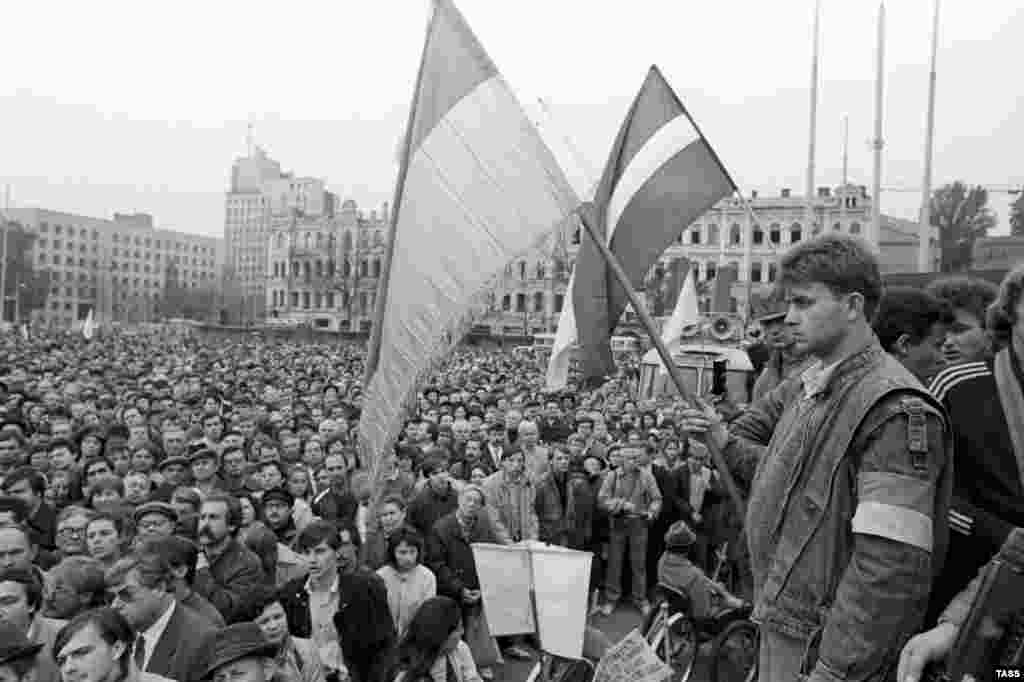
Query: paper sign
column 632, row 660
column 504, row 572
column 561, row 579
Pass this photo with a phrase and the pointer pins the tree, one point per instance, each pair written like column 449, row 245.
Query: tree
column 31, row 286
column 962, row 216
column 1017, row 215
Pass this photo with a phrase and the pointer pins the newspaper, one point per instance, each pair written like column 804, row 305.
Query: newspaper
column 632, row 660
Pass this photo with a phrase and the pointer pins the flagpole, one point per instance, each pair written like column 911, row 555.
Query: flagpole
column 878, row 143
column 924, row 258
column 587, row 218
column 373, row 349
column 813, row 126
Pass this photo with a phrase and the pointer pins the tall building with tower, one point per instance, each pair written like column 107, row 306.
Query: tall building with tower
column 259, row 194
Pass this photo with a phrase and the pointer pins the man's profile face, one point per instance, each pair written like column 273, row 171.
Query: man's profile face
column 818, row 319
column 966, row 339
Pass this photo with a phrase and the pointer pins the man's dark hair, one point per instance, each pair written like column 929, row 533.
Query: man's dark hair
column 1002, row 314
column 843, row 263
column 26, row 473
column 111, row 626
column 30, row 580
column 972, row 294
column 317, row 532
column 908, row 311
column 177, row 552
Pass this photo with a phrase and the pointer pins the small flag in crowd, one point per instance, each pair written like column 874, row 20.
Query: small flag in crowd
column 686, row 313
column 88, row 326
column 661, row 175
column 477, row 187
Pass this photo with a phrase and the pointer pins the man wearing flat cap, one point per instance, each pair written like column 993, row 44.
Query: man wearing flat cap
column 155, row 520
column 239, row 653
column 784, row 361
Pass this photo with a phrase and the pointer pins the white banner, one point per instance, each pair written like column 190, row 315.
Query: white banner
column 532, row 580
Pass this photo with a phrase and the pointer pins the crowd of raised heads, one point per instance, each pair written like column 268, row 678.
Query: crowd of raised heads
column 191, row 509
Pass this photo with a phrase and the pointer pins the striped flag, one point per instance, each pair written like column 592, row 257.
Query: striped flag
column 476, row 187
column 660, row 177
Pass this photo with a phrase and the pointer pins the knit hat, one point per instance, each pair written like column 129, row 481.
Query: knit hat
column 679, row 536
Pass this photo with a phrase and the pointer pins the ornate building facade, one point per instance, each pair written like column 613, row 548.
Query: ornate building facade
column 323, row 270
column 530, row 295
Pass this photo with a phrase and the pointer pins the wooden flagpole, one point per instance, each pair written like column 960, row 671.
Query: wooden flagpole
column 587, row 218
column 383, row 284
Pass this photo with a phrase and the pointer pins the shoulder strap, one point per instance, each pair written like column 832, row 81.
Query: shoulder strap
column 1012, row 400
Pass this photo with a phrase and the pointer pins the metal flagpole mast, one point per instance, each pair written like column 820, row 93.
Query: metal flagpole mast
column 813, row 127
column 875, row 235
column 924, row 258
column 3, row 254
column 586, row 213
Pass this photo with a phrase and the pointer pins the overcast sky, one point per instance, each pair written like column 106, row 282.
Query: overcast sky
column 117, row 106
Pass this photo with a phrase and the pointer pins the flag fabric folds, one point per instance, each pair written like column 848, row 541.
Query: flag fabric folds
column 661, row 175
column 88, row 326
column 477, row 187
column 686, row 313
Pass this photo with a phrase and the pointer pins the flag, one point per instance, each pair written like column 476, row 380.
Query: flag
column 721, row 301
column 686, row 313
column 88, row 326
column 660, row 177
column 476, row 188
column 24, row 331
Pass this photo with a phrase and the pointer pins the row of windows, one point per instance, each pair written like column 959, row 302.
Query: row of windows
column 196, row 262
column 68, row 261
column 319, row 268
column 317, row 300
column 318, row 240
column 538, row 303
column 70, row 231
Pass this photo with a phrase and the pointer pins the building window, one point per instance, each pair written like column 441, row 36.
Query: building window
column 775, row 234
column 522, row 270
column 854, row 228
column 695, row 236
column 755, row 272
column 295, row 299
column 559, row 302
column 318, row 301
column 330, row 299
column 758, row 235
column 520, row 303
column 506, row 303
column 305, row 300
column 376, row 267
column 837, row 227
column 794, row 233
column 773, row 271
column 711, row 269
column 363, row 268
column 735, row 235
column 538, row 302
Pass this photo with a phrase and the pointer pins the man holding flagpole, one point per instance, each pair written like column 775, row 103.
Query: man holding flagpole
column 850, row 481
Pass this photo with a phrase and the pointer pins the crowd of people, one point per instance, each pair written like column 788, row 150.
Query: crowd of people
column 174, row 508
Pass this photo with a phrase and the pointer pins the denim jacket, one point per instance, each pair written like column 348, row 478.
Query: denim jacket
column 847, row 520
